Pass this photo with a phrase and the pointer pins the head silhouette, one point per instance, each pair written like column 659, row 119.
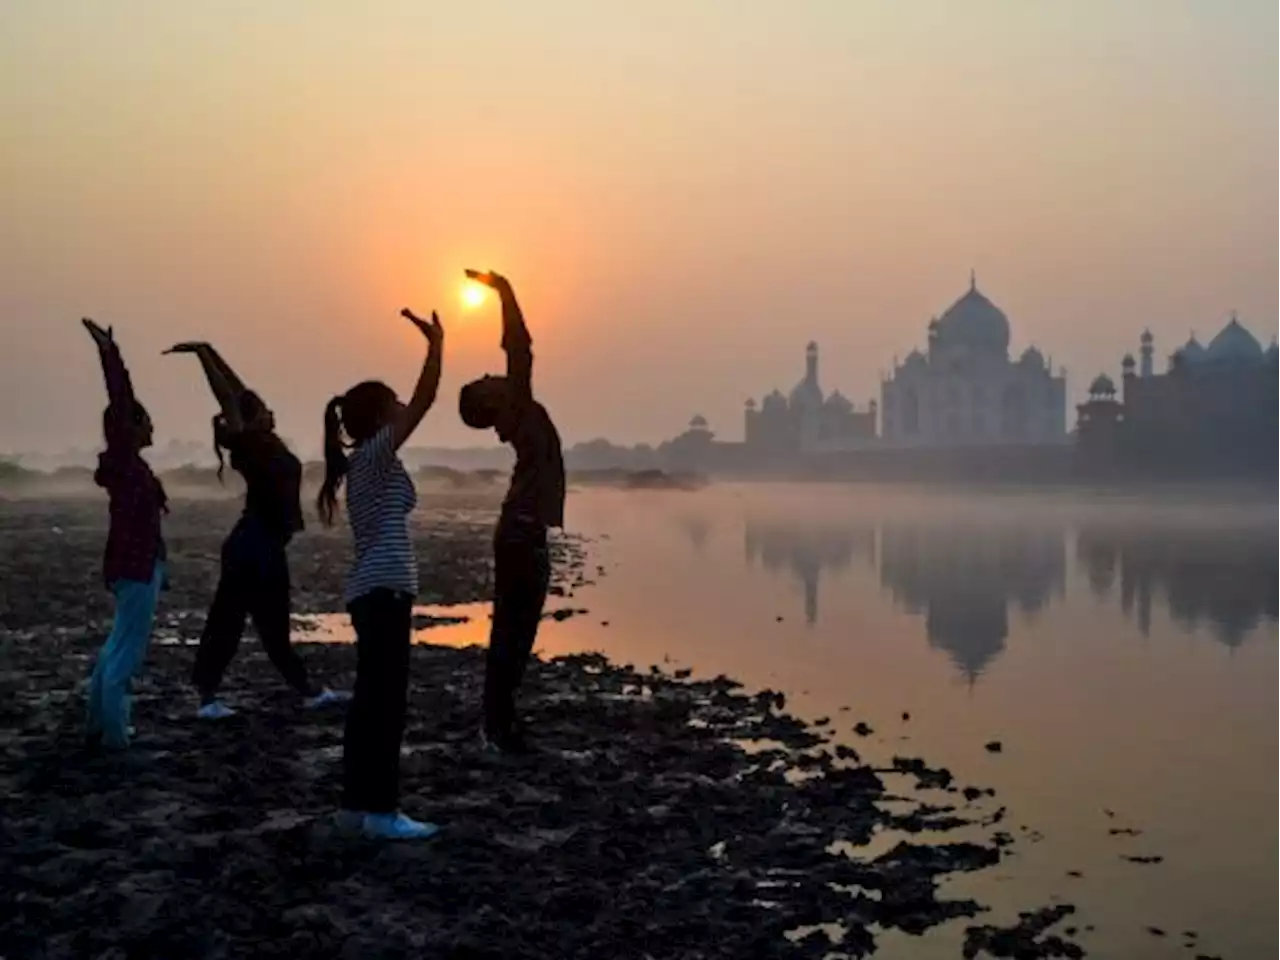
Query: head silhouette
column 486, row 404
column 254, row 414
column 359, row 414
column 139, row 432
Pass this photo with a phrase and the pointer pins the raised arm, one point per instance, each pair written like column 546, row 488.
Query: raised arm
column 120, row 397
column 226, row 386
column 516, row 341
column 424, row 392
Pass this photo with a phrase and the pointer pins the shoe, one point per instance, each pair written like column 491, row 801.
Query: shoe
column 214, row 710
column 396, row 826
column 327, row 697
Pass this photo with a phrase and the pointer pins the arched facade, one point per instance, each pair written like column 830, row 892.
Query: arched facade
column 965, row 391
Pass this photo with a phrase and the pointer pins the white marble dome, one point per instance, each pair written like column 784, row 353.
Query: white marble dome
column 1234, row 343
column 974, row 322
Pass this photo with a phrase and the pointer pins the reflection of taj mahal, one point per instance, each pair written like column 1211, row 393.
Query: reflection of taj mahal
column 962, row 579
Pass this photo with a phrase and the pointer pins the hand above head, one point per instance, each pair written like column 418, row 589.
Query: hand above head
column 431, row 329
column 491, row 279
column 190, row 346
column 103, row 338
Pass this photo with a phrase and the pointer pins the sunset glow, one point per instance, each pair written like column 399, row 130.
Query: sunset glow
column 473, row 294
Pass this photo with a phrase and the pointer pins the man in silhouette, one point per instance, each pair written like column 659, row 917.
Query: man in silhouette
column 534, row 503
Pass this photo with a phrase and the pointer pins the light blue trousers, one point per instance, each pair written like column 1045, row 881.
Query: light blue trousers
column 120, row 658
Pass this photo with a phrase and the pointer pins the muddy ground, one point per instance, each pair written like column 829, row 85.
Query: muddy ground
column 661, row 817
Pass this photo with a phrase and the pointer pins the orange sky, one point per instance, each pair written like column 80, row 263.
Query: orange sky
column 684, row 193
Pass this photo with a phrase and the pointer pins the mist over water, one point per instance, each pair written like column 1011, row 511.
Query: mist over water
column 1123, row 652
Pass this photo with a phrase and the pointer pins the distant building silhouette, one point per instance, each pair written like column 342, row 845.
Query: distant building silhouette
column 1213, row 407
column 807, row 421
column 963, row 579
column 966, row 392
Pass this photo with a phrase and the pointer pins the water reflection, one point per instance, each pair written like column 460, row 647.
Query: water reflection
column 1223, row 578
column 963, row 579
column 807, row 551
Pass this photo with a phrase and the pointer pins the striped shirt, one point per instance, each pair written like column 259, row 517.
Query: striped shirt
column 380, row 497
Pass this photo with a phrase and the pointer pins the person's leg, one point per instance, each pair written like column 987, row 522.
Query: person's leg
column 124, row 653
column 375, row 725
column 223, row 626
column 389, row 681
column 499, row 709
column 521, row 576
column 358, row 737
column 533, row 599
column 270, row 607
column 93, row 704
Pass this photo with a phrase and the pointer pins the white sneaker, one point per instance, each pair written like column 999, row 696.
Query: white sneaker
column 217, row 710
column 327, row 697
column 396, row 826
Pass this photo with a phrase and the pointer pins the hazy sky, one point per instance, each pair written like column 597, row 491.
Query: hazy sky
column 684, row 192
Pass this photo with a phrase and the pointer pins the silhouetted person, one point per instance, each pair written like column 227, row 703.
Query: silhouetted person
column 534, row 503
column 133, row 564
column 254, row 580
column 382, row 584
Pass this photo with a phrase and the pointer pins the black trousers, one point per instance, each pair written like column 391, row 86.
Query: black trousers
column 254, row 582
column 522, row 573
column 383, row 621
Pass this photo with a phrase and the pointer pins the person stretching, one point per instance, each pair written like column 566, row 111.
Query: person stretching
column 254, row 580
column 534, row 503
column 381, row 585
column 134, row 560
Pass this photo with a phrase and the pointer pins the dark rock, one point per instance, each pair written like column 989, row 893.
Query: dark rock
column 995, row 746
column 1146, row 860
column 862, row 729
column 1026, row 940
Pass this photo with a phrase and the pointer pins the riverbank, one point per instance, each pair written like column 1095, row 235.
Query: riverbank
column 663, row 816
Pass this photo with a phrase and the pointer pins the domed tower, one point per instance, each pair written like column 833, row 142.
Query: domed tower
column 1102, row 388
column 1127, row 365
column 973, row 324
column 1148, row 351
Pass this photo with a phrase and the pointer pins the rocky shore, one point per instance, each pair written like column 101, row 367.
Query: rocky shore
column 662, row 816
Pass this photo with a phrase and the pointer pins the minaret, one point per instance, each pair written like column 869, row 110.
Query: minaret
column 811, row 362
column 1148, row 350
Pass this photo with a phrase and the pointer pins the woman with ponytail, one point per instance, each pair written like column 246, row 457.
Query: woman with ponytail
column 382, row 583
column 255, row 566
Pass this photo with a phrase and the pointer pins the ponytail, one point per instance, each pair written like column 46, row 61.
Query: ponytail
column 335, row 462
column 220, row 441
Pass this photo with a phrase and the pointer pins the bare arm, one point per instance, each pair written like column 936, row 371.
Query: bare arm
column 516, row 341
column 120, row 396
column 226, row 386
column 424, row 392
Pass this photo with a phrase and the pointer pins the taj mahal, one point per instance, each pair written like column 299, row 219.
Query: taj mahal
column 962, row 391
column 965, row 391
column 965, row 399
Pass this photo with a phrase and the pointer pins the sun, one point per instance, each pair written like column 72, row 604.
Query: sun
column 473, row 294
